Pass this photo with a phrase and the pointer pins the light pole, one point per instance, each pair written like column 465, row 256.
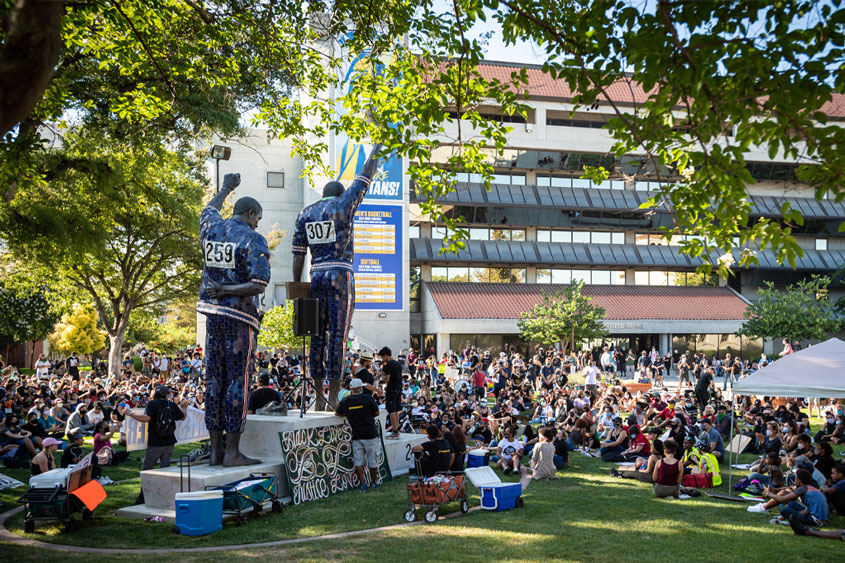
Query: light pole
column 218, row 153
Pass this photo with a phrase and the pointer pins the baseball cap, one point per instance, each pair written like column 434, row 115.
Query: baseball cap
column 50, row 442
column 356, row 383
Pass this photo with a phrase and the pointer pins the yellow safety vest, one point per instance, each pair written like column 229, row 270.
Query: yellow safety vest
column 710, row 464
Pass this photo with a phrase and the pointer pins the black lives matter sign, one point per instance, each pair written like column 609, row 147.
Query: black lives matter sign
column 318, row 462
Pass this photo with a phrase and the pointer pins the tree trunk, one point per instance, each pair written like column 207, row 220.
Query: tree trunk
column 115, row 357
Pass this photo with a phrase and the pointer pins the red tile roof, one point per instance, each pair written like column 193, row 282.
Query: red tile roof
column 541, row 85
column 621, row 302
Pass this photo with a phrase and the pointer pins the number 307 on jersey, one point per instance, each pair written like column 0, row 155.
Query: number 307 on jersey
column 320, row 232
column 220, row 254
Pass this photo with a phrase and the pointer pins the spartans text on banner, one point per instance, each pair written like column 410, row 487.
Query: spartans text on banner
column 191, row 429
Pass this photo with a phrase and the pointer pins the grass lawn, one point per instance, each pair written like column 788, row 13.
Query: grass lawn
column 584, row 515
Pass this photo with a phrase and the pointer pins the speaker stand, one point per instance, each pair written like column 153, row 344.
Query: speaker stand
column 305, row 382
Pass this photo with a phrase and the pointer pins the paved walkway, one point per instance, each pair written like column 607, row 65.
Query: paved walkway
column 7, row 536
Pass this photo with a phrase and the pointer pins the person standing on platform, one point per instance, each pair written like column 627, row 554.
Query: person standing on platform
column 361, row 411
column 393, row 394
column 365, row 373
column 325, row 228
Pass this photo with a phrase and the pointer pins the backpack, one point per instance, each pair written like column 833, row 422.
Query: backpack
column 165, row 425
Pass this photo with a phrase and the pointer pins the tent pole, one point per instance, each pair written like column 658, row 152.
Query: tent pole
column 730, row 445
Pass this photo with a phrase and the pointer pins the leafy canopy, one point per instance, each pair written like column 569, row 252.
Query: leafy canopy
column 77, row 331
column 802, row 311
column 567, row 316
column 277, row 329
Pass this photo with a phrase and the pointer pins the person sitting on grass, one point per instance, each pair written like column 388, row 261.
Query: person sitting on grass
column 769, row 471
column 542, row 464
column 834, row 489
column 668, row 473
column 561, row 443
column 615, row 442
column 509, row 451
column 436, row 455
column 643, row 468
column 812, row 510
column 44, row 460
column 638, row 444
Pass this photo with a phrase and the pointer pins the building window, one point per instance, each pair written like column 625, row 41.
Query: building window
column 275, row 179
column 506, row 179
column 594, row 237
column 596, row 277
column 821, row 244
column 414, row 231
column 644, row 186
column 438, row 232
column 439, row 274
column 415, row 301
column 668, row 277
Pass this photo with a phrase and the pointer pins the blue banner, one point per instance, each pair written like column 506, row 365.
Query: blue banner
column 379, row 272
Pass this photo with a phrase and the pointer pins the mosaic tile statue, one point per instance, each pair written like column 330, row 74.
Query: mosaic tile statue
column 325, row 228
column 235, row 274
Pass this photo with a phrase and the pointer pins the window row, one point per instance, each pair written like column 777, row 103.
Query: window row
column 665, row 277
column 569, row 182
column 509, row 179
column 483, row 233
column 595, row 277
column 468, row 274
column 594, row 237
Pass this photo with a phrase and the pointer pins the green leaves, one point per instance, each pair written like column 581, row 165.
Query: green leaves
column 565, row 317
column 803, row 311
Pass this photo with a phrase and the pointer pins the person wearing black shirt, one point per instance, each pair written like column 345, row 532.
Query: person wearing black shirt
column 159, row 445
column 458, row 441
column 365, row 373
column 702, row 388
column 262, row 396
column 435, row 455
column 393, row 395
column 361, row 411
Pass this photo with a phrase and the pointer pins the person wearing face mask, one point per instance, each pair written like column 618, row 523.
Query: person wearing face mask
column 828, row 429
column 822, row 458
column 772, row 441
column 79, row 421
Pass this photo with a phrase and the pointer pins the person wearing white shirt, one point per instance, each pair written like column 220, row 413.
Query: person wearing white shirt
column 509, row 451
column 42, row 367
column 591, row 378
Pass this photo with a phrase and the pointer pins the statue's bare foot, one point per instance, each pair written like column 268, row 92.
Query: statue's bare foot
column 238, row 459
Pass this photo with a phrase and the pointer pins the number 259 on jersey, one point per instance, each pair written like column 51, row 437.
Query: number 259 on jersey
column 220, row 254
column 320, row 232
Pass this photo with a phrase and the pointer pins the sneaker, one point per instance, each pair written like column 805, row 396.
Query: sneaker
column 759, row 508
column 394, row 436
column 507, row 471
column 363, row 487
column 799, row 527
column 684, row 497
column 779, row 521
column 614, row 472
column 374, row 485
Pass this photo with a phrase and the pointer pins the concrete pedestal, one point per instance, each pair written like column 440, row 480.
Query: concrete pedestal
column 260, row 440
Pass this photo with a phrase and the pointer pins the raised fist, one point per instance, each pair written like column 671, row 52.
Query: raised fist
column 231, row 181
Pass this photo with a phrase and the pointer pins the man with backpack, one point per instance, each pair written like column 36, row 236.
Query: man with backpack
column 160, row 415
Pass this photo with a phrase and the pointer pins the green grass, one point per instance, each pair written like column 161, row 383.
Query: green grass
column 583, row 515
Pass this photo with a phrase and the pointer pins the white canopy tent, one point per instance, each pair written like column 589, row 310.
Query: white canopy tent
column 816, row 371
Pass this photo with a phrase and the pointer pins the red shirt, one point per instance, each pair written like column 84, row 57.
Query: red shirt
column 667, row 413
column 637, row 440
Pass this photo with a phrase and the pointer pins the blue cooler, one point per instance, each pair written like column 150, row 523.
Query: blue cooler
column 199, row 513
column 495, row 495
column 478, row 458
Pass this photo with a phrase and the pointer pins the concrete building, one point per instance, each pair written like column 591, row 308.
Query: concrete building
column 540, row 224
